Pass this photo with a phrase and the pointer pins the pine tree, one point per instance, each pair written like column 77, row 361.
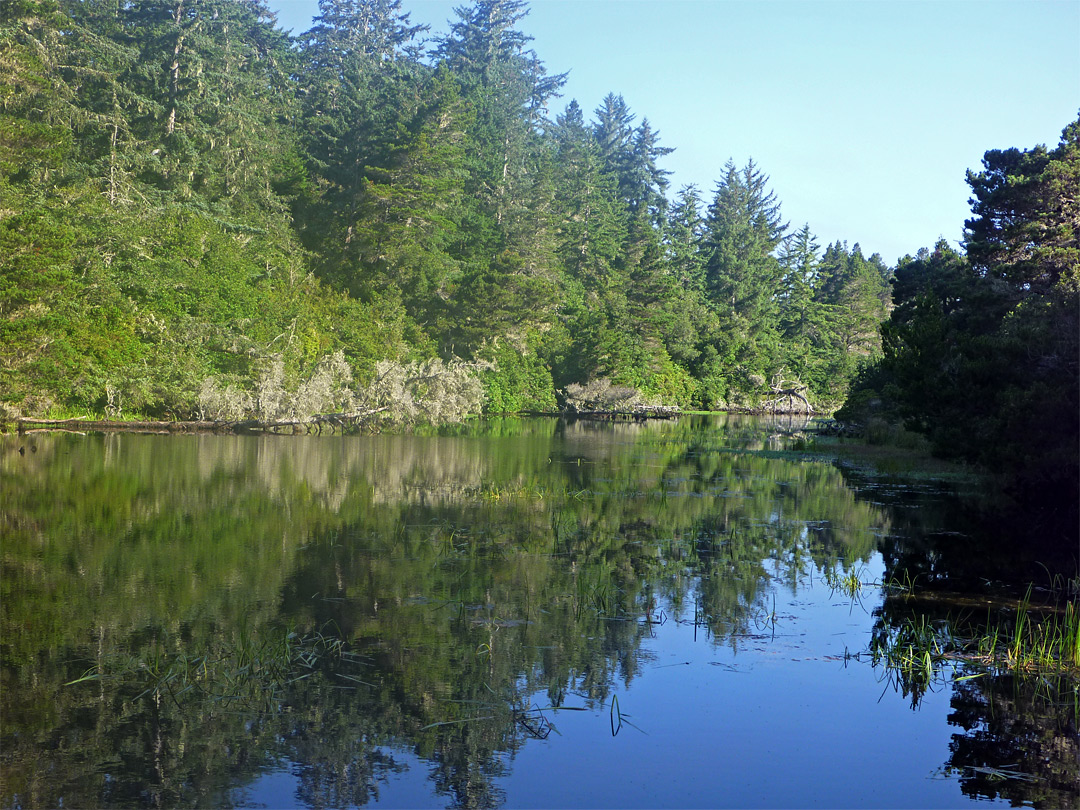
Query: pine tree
column 360, row 86
column 685, row 236
column 1024, row 228
column 742, row 273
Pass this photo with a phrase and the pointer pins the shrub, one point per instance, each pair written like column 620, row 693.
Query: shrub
column 601, row 395
column 516, row 382
column 274, row 400
column 427, row 392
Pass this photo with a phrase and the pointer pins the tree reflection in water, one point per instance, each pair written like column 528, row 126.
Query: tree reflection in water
column 1018, row 740
column 468, row 577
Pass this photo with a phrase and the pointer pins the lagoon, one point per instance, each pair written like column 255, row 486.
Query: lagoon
column 517, row 612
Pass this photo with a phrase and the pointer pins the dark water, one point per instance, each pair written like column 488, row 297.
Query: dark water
column 523, row 613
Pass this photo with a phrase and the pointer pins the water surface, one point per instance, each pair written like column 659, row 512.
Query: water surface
column 521, row 613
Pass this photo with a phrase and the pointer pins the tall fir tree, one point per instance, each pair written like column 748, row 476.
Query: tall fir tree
column 742, row 272
column 360, row 88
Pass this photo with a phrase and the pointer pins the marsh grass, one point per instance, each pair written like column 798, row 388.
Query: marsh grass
column 60, row 413
column 912, row 655
column 904, row 586
column 250, row 671
column 917, row 654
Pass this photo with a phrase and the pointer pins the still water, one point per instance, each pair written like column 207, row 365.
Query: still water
column 519, row 613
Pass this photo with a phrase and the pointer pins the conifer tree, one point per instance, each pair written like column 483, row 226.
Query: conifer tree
column 800, row 316
column 614, row 133
column 648, row 182
column 360, row 90
column 742, row 273
column 685, row 236
column 591, row 220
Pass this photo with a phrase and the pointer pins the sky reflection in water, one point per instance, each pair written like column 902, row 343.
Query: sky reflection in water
column 673, row 571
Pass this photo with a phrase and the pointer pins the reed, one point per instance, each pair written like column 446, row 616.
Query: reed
column 849, row 583
column 1046, row 647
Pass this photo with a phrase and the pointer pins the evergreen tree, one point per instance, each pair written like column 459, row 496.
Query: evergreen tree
column 508, row 204
column 648, row 182
column 685, row 236
column 982, row 352
column 743, row 276
column 856, row 290
column 801, row 317
column 408, row 227
column 614, row 134
column 218, row 76
column 799, row 261
column 360, row 86
column 508, row 89
column 1024, row 228
column 591, row 219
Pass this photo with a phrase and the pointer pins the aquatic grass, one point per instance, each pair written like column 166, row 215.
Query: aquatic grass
column 849, row 583
column 1071, row 634
column 616, row 716
column 1004, row 772
column 917, row 654
column 60, row 413
column 767, row 619
column 250, row 671
column 904, row 586
column 619, row 718
column 912, row 655
column 598, row 596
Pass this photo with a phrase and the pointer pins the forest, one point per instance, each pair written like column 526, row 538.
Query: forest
column 204, row 217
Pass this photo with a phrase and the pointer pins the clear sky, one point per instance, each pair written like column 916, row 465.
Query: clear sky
column 865, row 115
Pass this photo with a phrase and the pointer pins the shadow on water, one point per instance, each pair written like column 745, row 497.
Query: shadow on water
column 183, row 615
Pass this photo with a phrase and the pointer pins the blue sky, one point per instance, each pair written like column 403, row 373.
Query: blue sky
column 865, row 115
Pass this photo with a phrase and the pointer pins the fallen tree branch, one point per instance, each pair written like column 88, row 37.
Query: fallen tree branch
column 790, row 394
column 25, row 424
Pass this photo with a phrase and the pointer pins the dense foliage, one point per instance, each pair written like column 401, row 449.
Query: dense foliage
column 982, row 350
column 192, row 201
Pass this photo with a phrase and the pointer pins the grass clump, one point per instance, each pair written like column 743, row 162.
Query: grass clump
column 250, row 670
column 1044, row 644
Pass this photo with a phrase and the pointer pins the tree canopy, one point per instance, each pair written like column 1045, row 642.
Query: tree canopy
column 982, row 349
column 193, row 197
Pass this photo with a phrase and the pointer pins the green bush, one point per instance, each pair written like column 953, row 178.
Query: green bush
column 518, row 382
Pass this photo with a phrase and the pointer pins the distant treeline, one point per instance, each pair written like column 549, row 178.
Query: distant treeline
column 201, row 216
